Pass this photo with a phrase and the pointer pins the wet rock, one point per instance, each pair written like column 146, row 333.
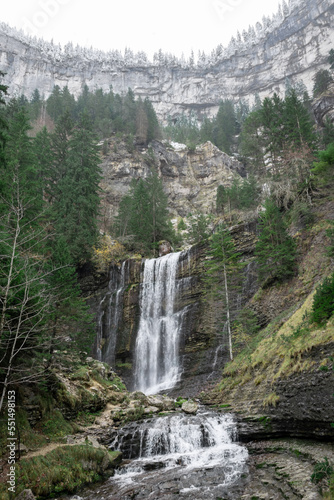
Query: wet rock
column 164, row 248
column 164, row 403
column 153, row 466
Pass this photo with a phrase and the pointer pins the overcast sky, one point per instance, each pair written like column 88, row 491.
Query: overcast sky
column 176, row 26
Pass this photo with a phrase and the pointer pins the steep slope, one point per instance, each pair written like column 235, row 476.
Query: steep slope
column 282, row 382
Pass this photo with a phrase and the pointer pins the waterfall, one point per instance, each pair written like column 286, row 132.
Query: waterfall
column 108, row 316
column 197, row 455
column 157, row 363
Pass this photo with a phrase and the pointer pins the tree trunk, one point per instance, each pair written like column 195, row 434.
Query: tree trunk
column 228, row 320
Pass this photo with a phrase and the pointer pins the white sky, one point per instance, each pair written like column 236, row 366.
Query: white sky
column 176, row 26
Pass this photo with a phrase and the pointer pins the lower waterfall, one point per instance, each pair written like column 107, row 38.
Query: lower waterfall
column 157, row 364
column 184, row 456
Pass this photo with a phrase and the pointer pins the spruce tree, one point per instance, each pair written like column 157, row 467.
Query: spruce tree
column 275, row 250
column 298, row 126
column 77, row 204
column 322, row 80
column 3, row 122
column 253, row 142
column 60, row 151
column 54, row 103
column 143, row 213
column 272, row 122
column 140, row 223
column 153, row 129
column 225, row 126
column 43, row 158
column 158, row 210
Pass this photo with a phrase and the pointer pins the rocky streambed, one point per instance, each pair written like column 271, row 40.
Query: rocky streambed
column 194, row 453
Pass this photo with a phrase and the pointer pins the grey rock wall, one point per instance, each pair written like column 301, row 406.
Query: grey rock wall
column 295, row 49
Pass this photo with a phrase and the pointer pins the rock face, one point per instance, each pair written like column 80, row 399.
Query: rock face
column 190, row 179
column 323, row 107
column 294, row 48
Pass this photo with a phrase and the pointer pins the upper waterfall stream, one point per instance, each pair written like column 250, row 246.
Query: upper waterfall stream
column 157, row 363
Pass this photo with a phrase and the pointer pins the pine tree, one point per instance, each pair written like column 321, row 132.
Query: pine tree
column 275, row 250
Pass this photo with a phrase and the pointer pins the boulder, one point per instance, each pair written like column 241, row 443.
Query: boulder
column 151, row 409
column 164, row 403
column 164, row 248
column 190, row 407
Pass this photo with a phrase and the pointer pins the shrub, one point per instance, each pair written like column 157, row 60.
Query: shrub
column 323, row 302
column 322, row 470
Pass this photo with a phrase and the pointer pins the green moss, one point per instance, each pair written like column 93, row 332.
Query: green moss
column 81, row 374
column 63, row 470
column 54, row 426
column 87, row 418
column 179, row 402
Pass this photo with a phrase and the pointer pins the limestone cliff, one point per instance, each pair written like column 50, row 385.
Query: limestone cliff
column 190, row 178
column 295, row 47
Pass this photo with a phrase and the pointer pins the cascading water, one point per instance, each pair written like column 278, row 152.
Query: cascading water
column 157, row 364
column 188, row 456
column 108, row 317
column 191, row 456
